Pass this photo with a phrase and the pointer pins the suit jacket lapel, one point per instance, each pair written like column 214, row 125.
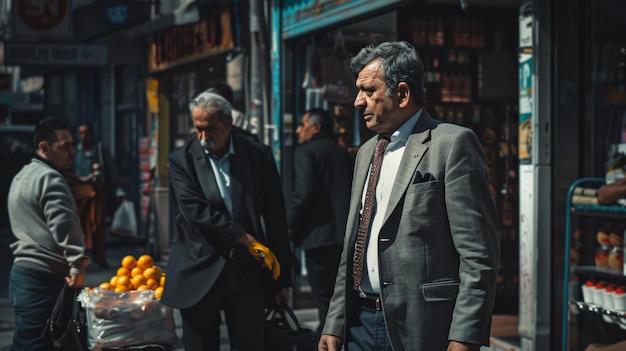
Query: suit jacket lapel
column 245, row 177
column 414, row 151
column 364, row 159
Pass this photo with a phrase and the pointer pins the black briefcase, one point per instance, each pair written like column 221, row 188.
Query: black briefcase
column 283, row 331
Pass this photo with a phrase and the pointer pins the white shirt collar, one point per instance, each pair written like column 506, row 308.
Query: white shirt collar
column 400, row 136
column 230, row 151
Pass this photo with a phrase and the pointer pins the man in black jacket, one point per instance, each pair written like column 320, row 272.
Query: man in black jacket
column 323, row 176
column 228, row 204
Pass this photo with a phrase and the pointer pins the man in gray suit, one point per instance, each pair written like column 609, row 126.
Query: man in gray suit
column 430, row 252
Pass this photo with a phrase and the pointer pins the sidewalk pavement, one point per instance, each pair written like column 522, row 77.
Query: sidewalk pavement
column 117, row 248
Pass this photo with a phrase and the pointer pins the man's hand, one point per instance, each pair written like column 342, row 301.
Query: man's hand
column 329, row 343
column 459, row 346
column 262, row 254
column 75, row 281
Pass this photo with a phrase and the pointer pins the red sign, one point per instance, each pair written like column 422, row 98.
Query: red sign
column 42, row 15
column 178, row 45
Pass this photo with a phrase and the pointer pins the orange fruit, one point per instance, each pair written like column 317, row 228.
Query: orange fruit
column 139, row 280
column 123, row 280
column 148, row 273
column 123, row 271
column 129, row 262
column 143, row 287
column 153, row 272
column 105, row 285
column 136, row 271
column 113, row 281
column 162, row 280
column 145, row 261
column 152, row 284
column 158, row 292
column 121, row 288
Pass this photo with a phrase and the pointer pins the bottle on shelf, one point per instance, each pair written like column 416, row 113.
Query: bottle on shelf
column 440, row 35
column 432, row 30
column 419, row 31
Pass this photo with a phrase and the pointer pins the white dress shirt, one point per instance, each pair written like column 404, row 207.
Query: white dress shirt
column 221, row 169
column 388, row 171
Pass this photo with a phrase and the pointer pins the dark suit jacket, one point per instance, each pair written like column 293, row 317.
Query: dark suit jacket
column 319, row 208
column 438, row 248
column 204, row 231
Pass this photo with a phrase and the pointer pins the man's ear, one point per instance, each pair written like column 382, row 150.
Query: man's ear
column 317, row 128
column 404, row 94
column 43, row 146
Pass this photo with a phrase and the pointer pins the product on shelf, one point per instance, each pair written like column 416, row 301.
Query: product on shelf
column 619, row 298
column 598, row 296
column 588, row 295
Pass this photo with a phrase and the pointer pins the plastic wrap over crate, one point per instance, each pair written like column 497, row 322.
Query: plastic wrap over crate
column 123, row 319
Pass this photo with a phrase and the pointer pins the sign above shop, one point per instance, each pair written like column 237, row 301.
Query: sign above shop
column 49, row 19
column 299, row 19
column 179, row 45
column 54, row 54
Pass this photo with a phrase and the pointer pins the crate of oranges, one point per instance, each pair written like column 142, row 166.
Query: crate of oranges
column 125, row 311
column 137, row 274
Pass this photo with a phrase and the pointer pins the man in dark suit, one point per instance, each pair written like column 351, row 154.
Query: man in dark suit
column 228, row 203
column 429, row 249
column 317, row 220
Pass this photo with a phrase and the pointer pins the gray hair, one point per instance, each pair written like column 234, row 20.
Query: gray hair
column 212, row 102
column 399, row 62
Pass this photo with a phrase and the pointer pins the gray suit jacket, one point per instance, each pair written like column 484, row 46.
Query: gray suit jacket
column 438, row 248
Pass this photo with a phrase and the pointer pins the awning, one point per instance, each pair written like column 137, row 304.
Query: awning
column 187, row 13
column 299, row 20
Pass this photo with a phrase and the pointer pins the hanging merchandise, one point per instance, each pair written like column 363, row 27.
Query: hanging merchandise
column 124, row 219
column 337, row 78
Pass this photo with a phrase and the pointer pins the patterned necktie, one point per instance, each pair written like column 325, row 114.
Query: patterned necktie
column 366, row 215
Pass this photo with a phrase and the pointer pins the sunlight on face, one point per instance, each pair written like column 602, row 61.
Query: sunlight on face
column 380, row 111
column 211, row 131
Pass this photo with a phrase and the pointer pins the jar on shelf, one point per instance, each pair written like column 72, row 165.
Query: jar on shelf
column 616, row 258
column 602, row 256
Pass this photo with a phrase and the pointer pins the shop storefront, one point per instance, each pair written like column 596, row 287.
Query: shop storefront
column 598, row 96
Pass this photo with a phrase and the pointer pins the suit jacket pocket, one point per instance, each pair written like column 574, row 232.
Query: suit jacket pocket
column 445, row 290
column 423, row 186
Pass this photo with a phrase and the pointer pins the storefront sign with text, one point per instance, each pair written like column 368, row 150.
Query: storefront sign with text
column 178, row 45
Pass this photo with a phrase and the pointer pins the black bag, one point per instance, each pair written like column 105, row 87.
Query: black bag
column 67, row 326
column 283, row 332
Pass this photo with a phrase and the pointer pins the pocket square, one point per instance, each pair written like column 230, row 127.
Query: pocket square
column 419, row 178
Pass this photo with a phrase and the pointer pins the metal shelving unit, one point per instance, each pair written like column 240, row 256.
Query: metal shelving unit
column 570, row 304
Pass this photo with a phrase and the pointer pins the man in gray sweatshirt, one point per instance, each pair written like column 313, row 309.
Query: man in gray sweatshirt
column 49, row 251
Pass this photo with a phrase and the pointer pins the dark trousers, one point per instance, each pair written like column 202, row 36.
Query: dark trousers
column 321, row 266
column 370, row 333
column 33, row 295
column 239, row 292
